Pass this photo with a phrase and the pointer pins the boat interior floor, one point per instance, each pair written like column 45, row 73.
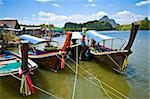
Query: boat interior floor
column 99, row 48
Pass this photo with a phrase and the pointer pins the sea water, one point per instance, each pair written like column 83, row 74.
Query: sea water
column 134, row 85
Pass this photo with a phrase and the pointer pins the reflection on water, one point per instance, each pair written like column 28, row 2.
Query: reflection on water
column 134, row 85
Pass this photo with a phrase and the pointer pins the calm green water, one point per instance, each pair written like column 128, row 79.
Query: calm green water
column 134, row 85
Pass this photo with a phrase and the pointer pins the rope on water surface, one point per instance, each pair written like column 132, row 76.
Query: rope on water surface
column 42, row 90
column 105, row 91
column 114, row 62
column 100, row 80
column 93, row 82
column 128, row 74
column 76, row 75
column 131, row 78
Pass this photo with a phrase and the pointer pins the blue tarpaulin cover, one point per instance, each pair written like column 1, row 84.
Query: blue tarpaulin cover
column 97, row 36
column 32, row 39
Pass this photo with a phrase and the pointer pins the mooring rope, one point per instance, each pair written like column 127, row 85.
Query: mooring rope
column 40, row 89
column 114, row 62
column 131, row 78
column 76, row 75
column 99, row 79
column 104, row 90
column 92, row 81
column 127, row 73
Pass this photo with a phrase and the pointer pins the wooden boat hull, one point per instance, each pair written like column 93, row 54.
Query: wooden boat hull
column 114, row 60
column 49, row 61
column 14, row 58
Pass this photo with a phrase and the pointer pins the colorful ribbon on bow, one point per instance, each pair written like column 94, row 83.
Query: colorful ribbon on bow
column 26, row 87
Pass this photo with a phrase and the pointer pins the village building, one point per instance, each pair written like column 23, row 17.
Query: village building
column 9, row 24
column 33, row 30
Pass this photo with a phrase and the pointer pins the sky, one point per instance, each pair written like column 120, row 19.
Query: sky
column 58, row 12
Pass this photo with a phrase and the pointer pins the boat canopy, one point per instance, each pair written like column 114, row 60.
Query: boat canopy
column 97, row 36
column 32, row 39
column 76, row 35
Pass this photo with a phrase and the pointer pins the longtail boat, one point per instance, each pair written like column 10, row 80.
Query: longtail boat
column 15, row 65
column 115, row 58
column 46, row 59
column 10, row 62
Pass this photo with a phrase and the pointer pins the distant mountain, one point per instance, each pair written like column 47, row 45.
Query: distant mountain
column 111, row 21
column 103, row 24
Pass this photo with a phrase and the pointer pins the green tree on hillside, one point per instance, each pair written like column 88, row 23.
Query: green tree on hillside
column 145, row 24
column 91, row 25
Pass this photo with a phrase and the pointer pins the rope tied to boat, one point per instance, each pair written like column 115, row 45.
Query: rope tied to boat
column 38, row 88
column 62, row 65
column 97, row 80
column 120, row 69
column 26, row 85
column 66, row 44
column 100, row 80
column 76, row 74
column 26, row 82
column 62, row 62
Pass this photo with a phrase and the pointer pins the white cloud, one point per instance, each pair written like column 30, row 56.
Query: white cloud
column 60, row 20
column 101, row 13
column 90, row 0
column 93, row 5
column 127, row 17
column 142, row 3
column 25, row 18
column 30, row 21
column 25, row 22
column 33, row 15
column 90, row 5
column 44, row 14
column 44, row 1
column 86, row 5
column 123, row 17
column 56, row 5
column 8, row 18
column 1, row 2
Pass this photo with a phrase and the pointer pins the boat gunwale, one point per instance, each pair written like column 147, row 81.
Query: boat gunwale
column 31, row 65
column 104, row 53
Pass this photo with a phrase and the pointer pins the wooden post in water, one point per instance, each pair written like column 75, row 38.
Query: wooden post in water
column 26, row 87
column 24, row 53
